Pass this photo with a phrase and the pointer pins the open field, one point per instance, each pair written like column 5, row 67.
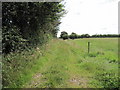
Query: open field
column 67, row 64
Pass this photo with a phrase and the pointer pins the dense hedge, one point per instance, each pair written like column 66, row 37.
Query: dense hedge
column 64, row 35
column 29, row 24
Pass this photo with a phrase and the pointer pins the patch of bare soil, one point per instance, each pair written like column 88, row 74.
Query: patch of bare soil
column 36, row 81
column 79, row 81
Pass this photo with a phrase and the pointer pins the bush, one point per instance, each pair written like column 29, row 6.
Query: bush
column 29, row 22
column 108, row 80
column 12, row 40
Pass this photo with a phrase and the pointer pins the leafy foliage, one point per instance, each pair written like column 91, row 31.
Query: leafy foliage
column 64, row 35
column 35, row 22
column 25, row 26
column 85, row 36
column 12, row 38
column 106, row 35
column 75, row 36
column 108, row 79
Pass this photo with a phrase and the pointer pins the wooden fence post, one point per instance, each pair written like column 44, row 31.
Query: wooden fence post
column 88, row 47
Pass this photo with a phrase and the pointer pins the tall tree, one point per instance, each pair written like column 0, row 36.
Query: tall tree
column 64, row 35
column 73, row 35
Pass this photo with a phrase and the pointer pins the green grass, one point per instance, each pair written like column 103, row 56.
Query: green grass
column 67, row 64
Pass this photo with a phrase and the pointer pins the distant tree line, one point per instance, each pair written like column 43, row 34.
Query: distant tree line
column 29, row 23
column 64, row 35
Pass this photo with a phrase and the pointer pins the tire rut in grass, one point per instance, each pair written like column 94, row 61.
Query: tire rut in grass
column 56, row 72
column 36, row 81
column 79, row 81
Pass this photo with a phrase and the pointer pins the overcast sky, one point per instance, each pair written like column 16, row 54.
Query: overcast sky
column 90, row 17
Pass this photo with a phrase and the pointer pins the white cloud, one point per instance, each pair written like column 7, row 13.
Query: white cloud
column 90, row 16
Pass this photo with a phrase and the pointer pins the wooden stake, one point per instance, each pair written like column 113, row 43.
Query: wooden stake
column 88, row 47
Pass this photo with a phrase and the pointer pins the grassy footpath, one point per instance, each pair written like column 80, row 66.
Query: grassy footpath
column 66, row 64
